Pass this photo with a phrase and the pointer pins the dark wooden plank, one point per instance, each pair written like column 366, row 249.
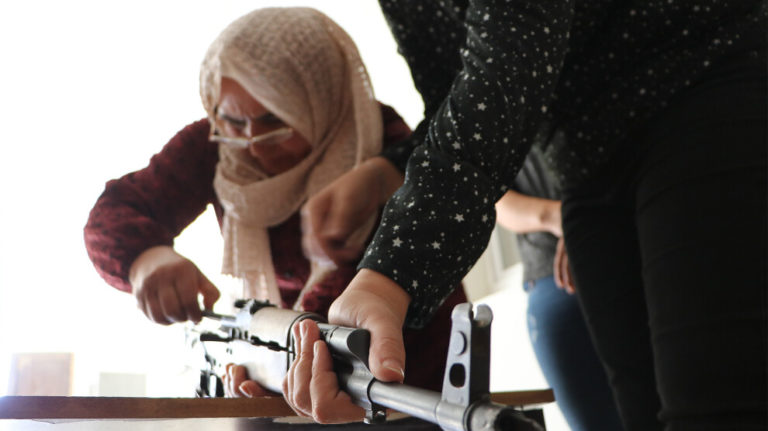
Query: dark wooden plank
column 206, row 424
column 39, row 407
column 123, row 408
column 524, row 398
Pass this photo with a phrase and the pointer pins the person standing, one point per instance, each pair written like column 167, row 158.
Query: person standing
column 664, row 190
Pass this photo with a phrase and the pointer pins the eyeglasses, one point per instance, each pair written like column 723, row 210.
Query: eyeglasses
column 221, row 121
column 270, row 138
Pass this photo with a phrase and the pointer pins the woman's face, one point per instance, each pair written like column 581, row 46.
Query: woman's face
column 241, row 116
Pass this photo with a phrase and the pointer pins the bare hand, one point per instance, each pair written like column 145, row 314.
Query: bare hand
column 237, row 385
column 166, row 286
column 371, row 301
column 563, row 277
column 333, row 216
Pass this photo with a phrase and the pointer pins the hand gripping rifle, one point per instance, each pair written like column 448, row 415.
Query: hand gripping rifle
column 259, row 337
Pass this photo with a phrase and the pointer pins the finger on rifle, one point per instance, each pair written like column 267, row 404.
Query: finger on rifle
column 239, row 376
column 252, row 389
column 155, row 309
column 142, row 303
column 210, row 293
column 387, row 353
column 300, row 395
column 185, row 285
column 329, row 403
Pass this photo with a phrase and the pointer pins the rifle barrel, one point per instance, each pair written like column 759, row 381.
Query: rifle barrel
column 428, row 405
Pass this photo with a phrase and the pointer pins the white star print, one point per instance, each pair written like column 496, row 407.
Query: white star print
column 520, row 72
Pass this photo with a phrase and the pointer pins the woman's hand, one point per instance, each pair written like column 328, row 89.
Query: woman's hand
column 371, row 301
column 333, row 216
column 166, row 286
column 237, row 385
column 563, row 277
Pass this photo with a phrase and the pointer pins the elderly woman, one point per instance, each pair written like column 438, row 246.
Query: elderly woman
column 290, row 108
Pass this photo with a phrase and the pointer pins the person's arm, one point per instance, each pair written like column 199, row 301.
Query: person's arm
column 432, row 74
column 438, row 223
column 131, row 228
column 331, row 217
column 311, row 386
column 522, row 214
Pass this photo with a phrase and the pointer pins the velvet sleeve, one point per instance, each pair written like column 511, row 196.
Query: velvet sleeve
column 395, row 128
column 150, row 207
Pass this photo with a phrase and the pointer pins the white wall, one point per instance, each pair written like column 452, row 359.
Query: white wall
column 90, row 89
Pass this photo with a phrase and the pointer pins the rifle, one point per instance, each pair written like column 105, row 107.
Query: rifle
column 259, row 337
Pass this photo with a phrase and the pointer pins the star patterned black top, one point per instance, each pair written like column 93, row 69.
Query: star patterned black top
column 492, row 71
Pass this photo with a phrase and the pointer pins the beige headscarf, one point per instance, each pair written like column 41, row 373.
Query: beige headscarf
column 306, row 70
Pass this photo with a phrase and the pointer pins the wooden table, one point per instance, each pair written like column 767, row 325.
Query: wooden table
column 18, row 413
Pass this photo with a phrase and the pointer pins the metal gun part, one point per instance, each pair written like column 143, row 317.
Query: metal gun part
column 463, row 405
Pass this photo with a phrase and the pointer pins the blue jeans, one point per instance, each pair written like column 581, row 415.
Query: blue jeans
column 567, row 358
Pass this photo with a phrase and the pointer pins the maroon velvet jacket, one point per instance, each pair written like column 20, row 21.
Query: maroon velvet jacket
column 152, row 206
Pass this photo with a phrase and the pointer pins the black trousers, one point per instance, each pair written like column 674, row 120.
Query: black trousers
column 668, row 250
